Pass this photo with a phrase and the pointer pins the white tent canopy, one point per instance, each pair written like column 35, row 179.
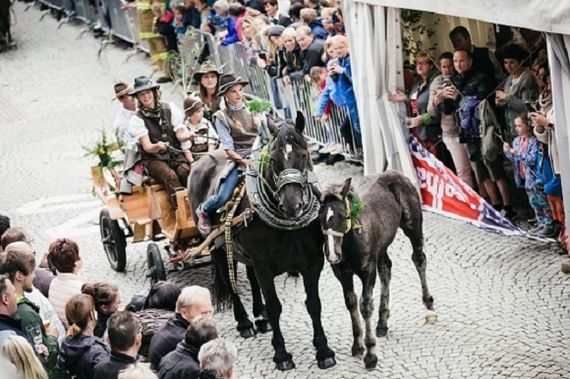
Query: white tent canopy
column 375, row 38
column 540, row 15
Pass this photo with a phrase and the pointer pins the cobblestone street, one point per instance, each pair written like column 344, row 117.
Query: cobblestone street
column 502, row 302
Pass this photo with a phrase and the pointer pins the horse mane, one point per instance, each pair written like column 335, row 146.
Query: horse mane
column 287, row 134
column 334, row 190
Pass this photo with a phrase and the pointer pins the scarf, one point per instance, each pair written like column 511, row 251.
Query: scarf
column 151, row 112
column 545, row 101
column 522, row 150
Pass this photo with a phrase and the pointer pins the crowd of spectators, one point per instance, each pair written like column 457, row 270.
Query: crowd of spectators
column 477, row 114
column 172, row 328
column 285, row 38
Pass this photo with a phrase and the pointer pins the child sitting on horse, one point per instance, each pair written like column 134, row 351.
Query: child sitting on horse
column 237, row 130
column 204, row 137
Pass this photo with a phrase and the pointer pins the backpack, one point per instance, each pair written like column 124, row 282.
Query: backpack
column 151, row 320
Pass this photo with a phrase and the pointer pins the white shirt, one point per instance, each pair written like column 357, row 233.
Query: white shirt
column 121, row 124
column 204, row 124
column 136, row 128
column 62, row 288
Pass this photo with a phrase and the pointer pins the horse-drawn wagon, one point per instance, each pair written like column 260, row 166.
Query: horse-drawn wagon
column 146, row 214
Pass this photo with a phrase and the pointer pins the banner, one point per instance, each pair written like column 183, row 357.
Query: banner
column 444, row 193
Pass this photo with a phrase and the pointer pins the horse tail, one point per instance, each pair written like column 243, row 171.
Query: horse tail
column 222, row 290
column 407, row 196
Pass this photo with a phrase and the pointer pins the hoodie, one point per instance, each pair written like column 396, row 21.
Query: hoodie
column 79, row 354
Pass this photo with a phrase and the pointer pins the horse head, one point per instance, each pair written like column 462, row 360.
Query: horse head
column 335, row 219
column 289, row 165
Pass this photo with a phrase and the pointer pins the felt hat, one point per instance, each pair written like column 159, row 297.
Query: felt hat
column 192, row 105
column 275, row 31
column 206, row 68
column 229, row 80
column 142, row 83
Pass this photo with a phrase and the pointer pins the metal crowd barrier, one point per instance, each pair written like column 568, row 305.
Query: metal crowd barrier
column 196, row 46
column 300, row 95
column 120, row 23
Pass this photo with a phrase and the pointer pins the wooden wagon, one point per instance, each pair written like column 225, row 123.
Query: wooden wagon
column 146, row 215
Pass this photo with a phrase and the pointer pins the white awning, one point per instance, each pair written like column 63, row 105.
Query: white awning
column 541, row 15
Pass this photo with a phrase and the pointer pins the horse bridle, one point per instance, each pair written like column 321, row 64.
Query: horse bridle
column 347, row 220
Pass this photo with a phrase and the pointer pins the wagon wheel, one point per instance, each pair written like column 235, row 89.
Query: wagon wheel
column 156, row 271
column 114, row 241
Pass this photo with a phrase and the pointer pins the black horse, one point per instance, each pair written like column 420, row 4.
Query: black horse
column 358, row 228
column 271, row 251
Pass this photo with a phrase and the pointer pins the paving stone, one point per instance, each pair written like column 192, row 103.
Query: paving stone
column 502, row 302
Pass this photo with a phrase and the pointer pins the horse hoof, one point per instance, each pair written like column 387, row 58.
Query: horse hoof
column 247, row 333
column 370, row 361
column 381, row 331
column 286, row 365
column 357, row 351
column 326, row 363
column 263, row 326
column 431, row 317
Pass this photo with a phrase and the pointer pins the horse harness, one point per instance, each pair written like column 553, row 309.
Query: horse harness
column 350, row 224
column 262, row 196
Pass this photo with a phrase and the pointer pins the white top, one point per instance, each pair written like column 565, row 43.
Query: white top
column 62, row 288
column 203, row 125
column 121, row 123
column 136, row 128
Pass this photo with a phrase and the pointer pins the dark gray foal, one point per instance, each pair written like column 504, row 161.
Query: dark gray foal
column 358, row 243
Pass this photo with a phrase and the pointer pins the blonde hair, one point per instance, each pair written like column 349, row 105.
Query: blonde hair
column 19, row 351
column 328, row 42
column 308, row 15
column 137, row 371
column 423, row 55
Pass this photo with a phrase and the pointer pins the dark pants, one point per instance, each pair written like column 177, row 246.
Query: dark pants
column 350, row 135
column 172, row 175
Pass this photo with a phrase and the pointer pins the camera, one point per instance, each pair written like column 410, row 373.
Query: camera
column 530, row 107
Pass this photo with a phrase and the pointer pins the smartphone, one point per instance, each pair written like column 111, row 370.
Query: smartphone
column 529, row 107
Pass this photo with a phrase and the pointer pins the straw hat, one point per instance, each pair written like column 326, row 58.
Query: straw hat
column 121, row 89
column 142, row 83
column 227, row 81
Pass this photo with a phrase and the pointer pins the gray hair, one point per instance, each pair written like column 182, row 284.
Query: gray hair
column 200, row 331
column 222, row 5
column 305, row 30
column 137, row 371
column 217, row 357
column 191, row 295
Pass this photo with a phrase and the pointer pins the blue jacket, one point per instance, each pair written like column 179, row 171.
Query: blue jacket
column 525, row 178
column 545, row 176
column 11, row 326
column 318, row 30
column 338, row 88
column 232, row 36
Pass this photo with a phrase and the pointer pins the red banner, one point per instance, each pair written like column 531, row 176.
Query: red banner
column 445, row 193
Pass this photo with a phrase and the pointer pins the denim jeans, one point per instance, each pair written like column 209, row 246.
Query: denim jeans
column 216, row 201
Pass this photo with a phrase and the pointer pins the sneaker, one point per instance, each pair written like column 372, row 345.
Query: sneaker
column 204, row 225
column 546, row 232
column 534, row 230
column 336, row 149
column 326, row 149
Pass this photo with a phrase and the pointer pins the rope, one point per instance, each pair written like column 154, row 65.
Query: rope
column 234, row 203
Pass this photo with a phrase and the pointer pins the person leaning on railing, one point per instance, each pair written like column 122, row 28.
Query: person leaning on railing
column 292, row 56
